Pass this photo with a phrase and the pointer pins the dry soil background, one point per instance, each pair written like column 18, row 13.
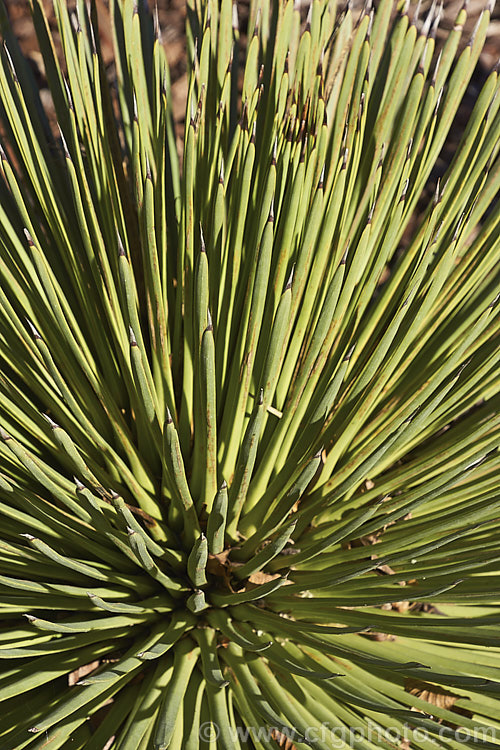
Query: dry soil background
column 172, row 21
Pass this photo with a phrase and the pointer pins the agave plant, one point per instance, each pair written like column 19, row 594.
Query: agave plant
column 249, row 405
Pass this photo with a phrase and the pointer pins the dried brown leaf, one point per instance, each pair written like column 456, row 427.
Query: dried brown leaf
column 260, row 577
column 218, row 565
column 82, row 671
column 437, row 696
column 282, row 740
column 380, row 636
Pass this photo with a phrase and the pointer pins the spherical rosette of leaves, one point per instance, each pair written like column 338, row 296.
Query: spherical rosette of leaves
column 249, row 398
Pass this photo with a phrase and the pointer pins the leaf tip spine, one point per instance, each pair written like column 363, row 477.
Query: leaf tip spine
column 53, row 425
column 64, row 144
column 33, row 330
column 29, row 238
column 322, row 178
column 11, row 63
column 369, row 218
column 121, row 249
column 210, row 325
column 132, row 338
column 156, row 23
column 93, row 46
column 68, row 94
column 257, row 23
column 349, row 353
column 343, row 259
column 436, row 69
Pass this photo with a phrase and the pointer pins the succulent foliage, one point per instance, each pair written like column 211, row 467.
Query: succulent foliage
column 249, row 406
